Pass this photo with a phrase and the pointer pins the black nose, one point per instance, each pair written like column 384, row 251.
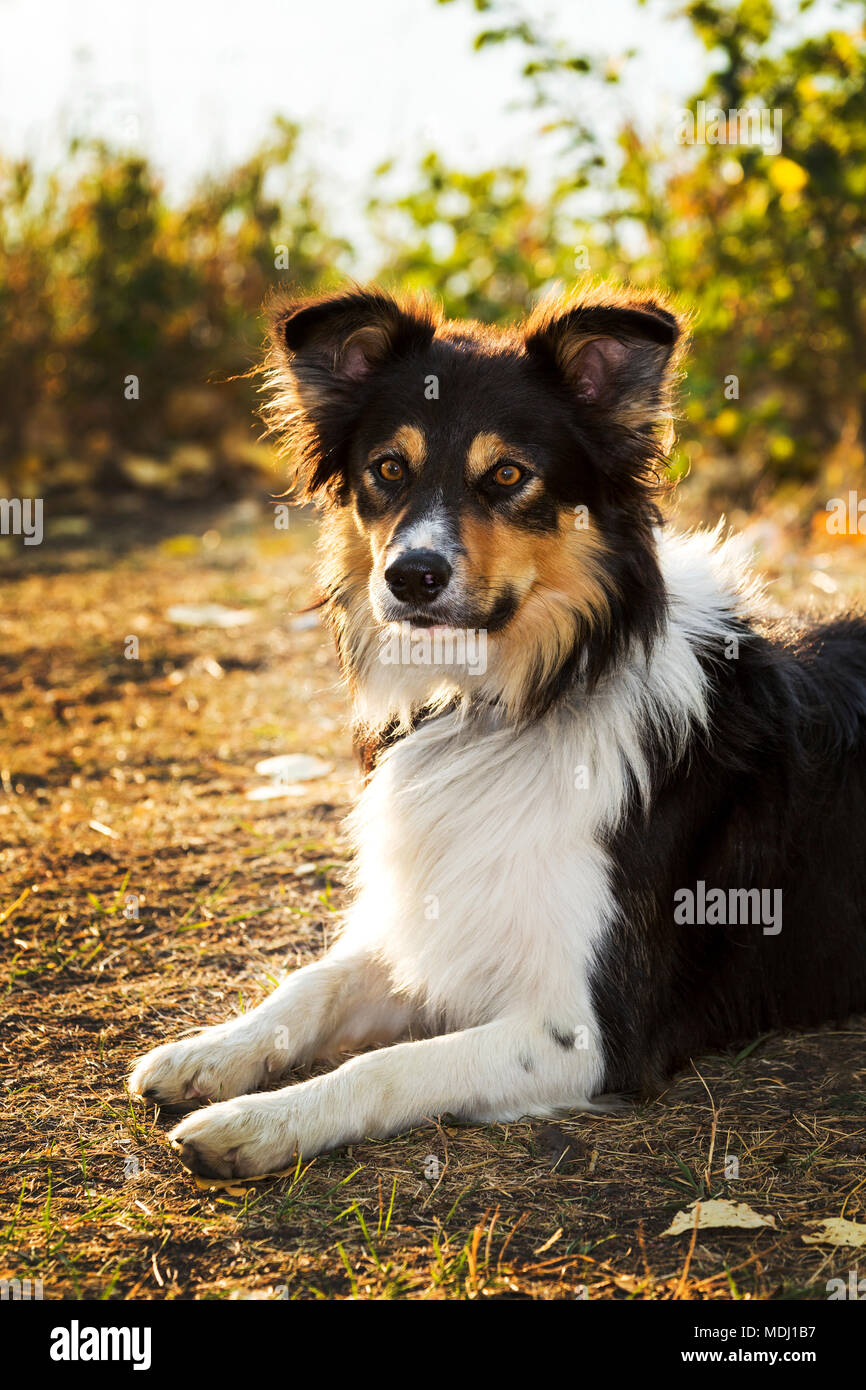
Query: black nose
column 417, row 576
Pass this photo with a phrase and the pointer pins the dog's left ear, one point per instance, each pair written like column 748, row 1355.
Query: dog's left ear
column 615, row 358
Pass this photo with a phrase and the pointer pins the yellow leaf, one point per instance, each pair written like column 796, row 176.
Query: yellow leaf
column 836, row 1231
column 180, row 545
column 720, row 1213
column 232, row 1185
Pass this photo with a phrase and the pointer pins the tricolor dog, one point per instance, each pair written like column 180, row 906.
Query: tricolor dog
column 632, row 832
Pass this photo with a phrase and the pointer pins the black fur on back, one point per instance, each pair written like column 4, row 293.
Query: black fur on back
column 774, row 798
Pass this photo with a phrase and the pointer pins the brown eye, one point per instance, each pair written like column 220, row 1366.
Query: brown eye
column 391, row 470
column 507, row 474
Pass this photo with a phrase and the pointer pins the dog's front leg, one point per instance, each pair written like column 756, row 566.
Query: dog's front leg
column 495, row 1072
column 340, row 1002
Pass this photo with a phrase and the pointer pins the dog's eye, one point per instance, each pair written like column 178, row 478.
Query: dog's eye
column 508, row 474
column 391, row 470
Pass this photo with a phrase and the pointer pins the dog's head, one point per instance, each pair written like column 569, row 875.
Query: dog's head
column 478, row 480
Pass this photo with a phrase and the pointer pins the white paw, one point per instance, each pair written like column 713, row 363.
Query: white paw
column 252, row 1135
column 227, row 1060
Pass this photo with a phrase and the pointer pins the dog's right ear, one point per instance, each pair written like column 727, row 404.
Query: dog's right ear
column 325, row 354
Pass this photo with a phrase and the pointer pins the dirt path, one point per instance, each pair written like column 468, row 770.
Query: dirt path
column 144, row 892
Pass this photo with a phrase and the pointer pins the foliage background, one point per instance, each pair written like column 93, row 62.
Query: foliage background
column 101, row 278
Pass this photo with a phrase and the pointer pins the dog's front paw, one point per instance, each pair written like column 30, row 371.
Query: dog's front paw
column 217, row 1063
column 248, row 1136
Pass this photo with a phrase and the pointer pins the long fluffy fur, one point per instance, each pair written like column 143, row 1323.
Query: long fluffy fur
column 643, row 727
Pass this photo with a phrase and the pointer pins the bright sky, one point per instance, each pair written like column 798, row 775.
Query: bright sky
column 198, row 81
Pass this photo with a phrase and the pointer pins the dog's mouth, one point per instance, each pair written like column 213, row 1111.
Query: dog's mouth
column 446, row 620
column 429, row 624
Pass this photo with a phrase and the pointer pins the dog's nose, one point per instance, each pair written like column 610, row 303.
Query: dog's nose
column 417, row 576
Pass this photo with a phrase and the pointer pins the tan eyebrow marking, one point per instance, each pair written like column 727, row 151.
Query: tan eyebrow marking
column 484, row 451
column 411, row 443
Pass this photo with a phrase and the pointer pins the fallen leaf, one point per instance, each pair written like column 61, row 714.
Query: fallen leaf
column 823, row 581
column 836, row 1231
column 717, row 1213
column 101, row 829
column 208, row 615
column 180, row 545
column 146, row 472
column 233, row 1185
column 293, row 767
column 272, row 790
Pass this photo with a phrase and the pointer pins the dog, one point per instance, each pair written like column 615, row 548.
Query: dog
column 633, row 832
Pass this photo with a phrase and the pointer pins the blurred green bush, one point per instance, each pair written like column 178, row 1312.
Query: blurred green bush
column 129, row 324
column 763, row 245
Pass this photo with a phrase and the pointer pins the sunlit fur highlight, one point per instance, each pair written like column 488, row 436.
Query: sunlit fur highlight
column 294, row 396
column 643, row 403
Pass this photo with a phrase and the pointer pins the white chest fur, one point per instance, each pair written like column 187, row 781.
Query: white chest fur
column 483, row 883
column 482, row 878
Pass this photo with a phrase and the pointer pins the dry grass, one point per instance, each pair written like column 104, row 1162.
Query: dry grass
column 160, row 751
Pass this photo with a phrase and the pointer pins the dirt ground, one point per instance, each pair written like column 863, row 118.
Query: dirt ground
column 144, row 892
